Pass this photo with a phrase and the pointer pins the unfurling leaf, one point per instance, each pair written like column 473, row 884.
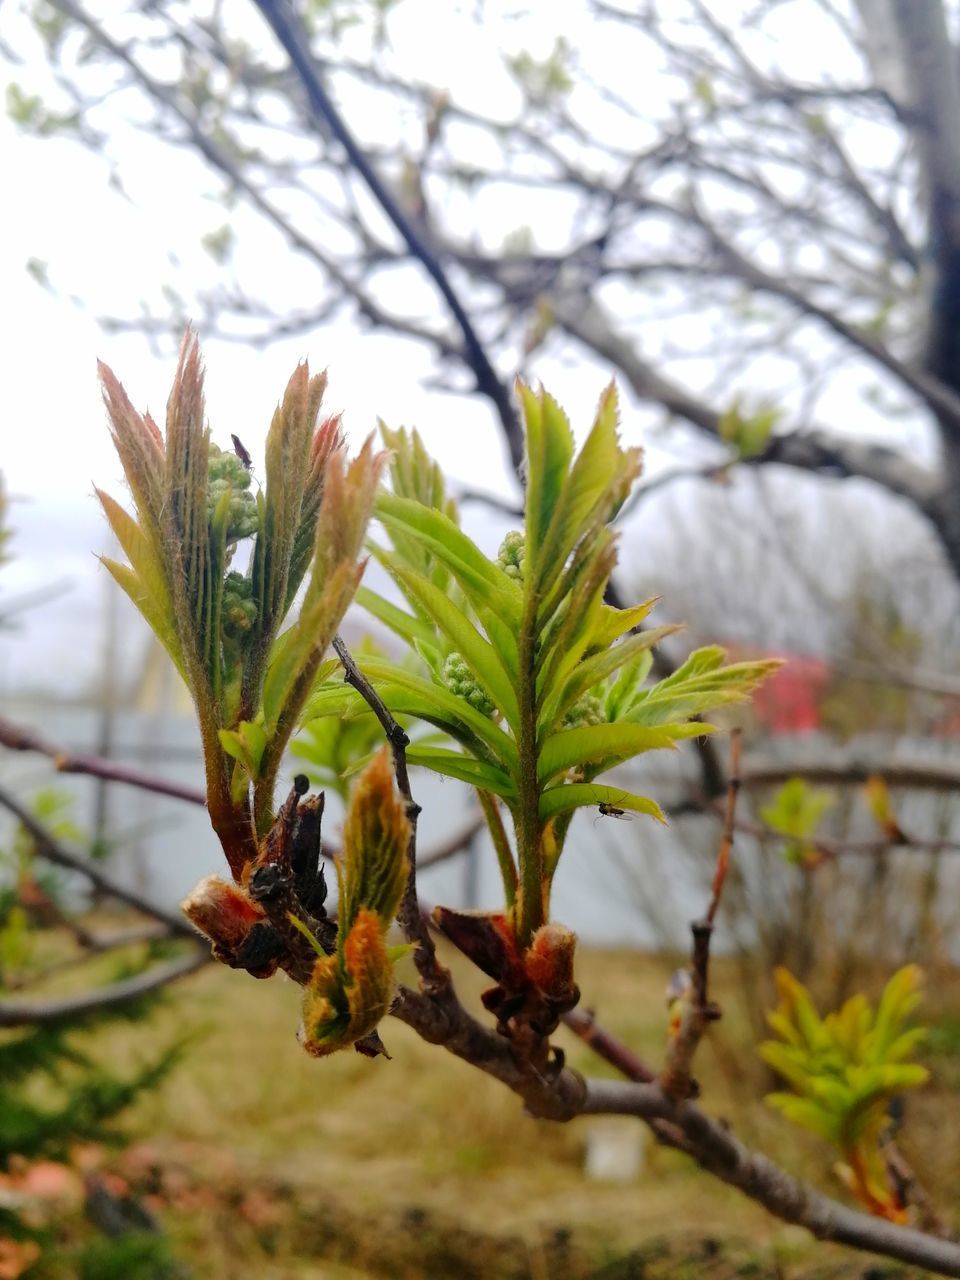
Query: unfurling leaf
column 376, row 835
column 194, row 502
column 350, row 991
column 748, row 433
column 881, row 807
column 540, row 684
column 796, row 812
column 845, row 1069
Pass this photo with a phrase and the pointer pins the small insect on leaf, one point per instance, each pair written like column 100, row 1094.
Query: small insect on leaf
column 241, row 452
column 611, row 811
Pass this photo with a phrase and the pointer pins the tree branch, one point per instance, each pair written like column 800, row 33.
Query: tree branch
column 53, row 851
column 563, row 1095
column 929, row 56
column 813, row 450
column 225, row 166
column 937, row 395
column 897, row 773
column 22, row 1013
column 17, row 738
column 716, row 1150
column 288, row 29
column 434, row 978
column 698, row 1011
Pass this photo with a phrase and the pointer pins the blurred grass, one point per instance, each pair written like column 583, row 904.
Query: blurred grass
column 421, row 1166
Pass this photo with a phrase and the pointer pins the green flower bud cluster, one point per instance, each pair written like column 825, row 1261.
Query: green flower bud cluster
column 585, row 711
column 239, row 609
column 227, row 474
column 510, row 555
column 460, row 680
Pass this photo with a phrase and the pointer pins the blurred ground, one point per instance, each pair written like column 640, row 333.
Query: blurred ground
column 263, row 1163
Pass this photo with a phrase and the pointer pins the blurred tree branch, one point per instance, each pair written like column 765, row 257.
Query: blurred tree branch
column 23, row 1013
column 54, row 851
column 19, row 738
column 755, row 179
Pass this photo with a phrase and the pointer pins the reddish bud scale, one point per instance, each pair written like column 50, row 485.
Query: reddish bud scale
column 549, row 961
column 225, row 914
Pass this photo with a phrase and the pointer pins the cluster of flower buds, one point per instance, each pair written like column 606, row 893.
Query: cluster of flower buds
column 226, row 475
column 239, row 606
column 511, row 554
column 461, row 681
column 585, row 711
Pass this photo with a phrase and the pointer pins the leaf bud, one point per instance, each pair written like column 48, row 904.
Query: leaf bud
column 225, row 914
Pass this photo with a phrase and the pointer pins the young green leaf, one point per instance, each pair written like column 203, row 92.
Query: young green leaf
column 609, row 744
column 549, row 448
column 565, row 798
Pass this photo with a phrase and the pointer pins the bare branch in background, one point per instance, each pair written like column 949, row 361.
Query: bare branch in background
column 716, row 1149
column 748, row 211
column 697, row 1009
column 19, row 738
column 933, row 776
column 53, row 851
column 710, row 1142
column 289, row 30
column 23, row 1013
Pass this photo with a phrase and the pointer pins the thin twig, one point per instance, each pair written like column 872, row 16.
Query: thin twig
column 17, row 738
column 289, row 30
column 434, row 978
column 454, row 843
column 698, row 1010
column 726, row 840
column 583, row 1023
column 53, row 851
column 22, row 1013
column 503, row 505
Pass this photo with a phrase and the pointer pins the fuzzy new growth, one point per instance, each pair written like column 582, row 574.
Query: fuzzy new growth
column 249, row 678
column 566, row 679
column 537, row 683
column 350, row 992
column 222, row 628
